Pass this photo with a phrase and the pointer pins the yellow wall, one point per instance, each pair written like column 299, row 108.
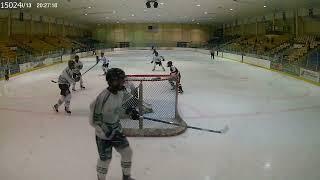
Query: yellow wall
column 3, row 28
column 30, row 27
column 306, row 25
column 311, row 26
column 139, row 35
column 246, row 29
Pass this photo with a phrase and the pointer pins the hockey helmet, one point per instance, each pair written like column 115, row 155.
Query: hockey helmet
column 169, row 63
column 71, row 64
column 115, row 74
column 76, row 58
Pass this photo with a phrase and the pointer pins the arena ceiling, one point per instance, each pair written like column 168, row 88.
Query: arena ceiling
column 169, row 11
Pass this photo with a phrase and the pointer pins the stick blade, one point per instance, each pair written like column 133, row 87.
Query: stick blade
column 224, row 130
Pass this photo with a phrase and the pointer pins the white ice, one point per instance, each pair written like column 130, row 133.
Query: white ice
column 274, row 125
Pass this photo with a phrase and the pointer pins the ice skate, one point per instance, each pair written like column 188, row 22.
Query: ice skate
column 127, row 178
column 55, row 107
column 67, row 110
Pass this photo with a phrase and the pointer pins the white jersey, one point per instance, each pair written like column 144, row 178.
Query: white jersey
column 157, row 59
column 66, row 77
column 105, row 60
column 111, row 110
column 78, row 66
column 174, row 71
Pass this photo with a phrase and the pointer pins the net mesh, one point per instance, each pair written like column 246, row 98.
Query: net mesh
column 153, row 97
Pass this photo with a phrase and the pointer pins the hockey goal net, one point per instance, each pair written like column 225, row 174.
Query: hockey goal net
column 154, row 97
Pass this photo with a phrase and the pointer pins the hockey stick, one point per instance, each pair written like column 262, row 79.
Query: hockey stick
column 92, row 66
column 222, row 131
column 83, row 73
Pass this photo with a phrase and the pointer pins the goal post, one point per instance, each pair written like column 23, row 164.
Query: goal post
column 153, row 97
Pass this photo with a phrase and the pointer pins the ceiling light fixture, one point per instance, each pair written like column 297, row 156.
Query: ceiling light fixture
column 148, row 4
column 264, row 6
column 198, row 5
column 206, row 12
column 155, row 3
column 89, row 7
column 231, row 9
column 132, row 15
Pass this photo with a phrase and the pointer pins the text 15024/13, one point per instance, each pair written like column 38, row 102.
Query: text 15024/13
column 14, row 5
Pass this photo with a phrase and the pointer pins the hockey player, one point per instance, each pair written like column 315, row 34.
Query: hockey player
column 77, row 74
column 6, row 73
column 212, row 51
column 154, row 51
column 104, row 117
column 64, row 81
column 174, row 72
column 105, row 63
column 134, row 90
column 157, row 61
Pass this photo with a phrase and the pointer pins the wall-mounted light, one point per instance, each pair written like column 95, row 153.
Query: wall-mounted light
column 148, row 4
column 155, row 3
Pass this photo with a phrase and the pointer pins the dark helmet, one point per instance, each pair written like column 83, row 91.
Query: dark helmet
column 115, row 74
column 76, row 58
column 156, row 53
column 169, row 63
column 71, row 64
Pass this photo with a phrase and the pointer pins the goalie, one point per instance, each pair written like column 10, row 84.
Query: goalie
column 134, row 102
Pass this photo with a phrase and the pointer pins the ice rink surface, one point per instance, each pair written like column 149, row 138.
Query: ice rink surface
column 274, row 125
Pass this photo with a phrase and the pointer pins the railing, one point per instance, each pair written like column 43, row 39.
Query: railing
column 311, row 61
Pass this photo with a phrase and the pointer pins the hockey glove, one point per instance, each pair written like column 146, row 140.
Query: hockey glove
column 151, row 62
column 76, row 77
column 80, row 66
column 133, row 113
